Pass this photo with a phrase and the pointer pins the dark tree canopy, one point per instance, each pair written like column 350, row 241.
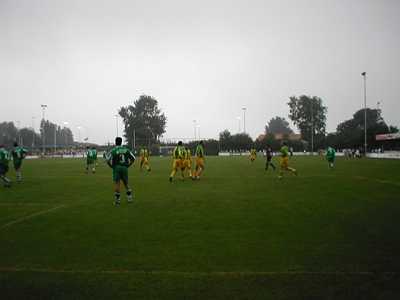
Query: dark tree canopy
column 240, row 141
column 307, row 113
column 225, row 140
column 54, row 134
column 144, row 120
column 350, row 133
column 278, row 125
column 27, row 137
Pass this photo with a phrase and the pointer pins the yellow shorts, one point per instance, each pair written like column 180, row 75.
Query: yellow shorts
column 200, row 162
column 177, row 164
column 252, row 157
column 284, row 162
column 187, row 164
column 143, row 160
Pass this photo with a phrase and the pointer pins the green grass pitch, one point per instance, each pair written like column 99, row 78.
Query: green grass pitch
column 238, row 233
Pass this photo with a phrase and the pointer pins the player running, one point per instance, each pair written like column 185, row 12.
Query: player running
column 187, row 164
column 330, row 157
column 120, row 158
column 253, row 154
column 18, row 154
column 199, row 160
column 144, row 159
column 91, row 158
column 4, row 160
column 178, row 161
column 285, row 161
column 269, row 158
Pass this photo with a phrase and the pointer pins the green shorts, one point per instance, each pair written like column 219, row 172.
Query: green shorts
column 331, row 159
column 17, row 164
column 89, row 161
column 120, row 173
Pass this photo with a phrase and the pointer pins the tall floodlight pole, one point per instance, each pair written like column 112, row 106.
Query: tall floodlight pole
column 238, row 118
column 44, row 106
column 198, row 131
column 116, row 123
column 312, row 129
column 33, row 132
column 364, row 74
column 194, row 129
column 244, row 119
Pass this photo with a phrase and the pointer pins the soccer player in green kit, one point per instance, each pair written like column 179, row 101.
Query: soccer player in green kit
column 120, row 158
column 18, row 154
column 330, row 156
column 285, row 161
column 91, row 159
column 4, row 160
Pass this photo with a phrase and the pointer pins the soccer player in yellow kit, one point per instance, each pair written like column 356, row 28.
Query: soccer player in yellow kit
column 178, row 160
column 188, row 161
column 144, row 159
column 199, row 161
column 253, row 154
column 285, row 161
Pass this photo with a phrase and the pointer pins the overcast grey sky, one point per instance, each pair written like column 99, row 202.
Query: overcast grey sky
column 201, row 60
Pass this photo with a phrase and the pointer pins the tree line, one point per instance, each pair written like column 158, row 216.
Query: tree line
column 145, row 123
column 50, row 134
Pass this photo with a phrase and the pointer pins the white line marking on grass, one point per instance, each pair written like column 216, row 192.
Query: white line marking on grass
column 212, row 273
column 20, row 220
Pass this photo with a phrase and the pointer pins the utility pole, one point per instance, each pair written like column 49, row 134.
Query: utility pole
column 364, row 74
column 244, row 119
column 312, row 128
column 44, row 106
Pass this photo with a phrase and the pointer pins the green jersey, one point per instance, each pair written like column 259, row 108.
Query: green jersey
column 284, row 151
column 330, row 153
column 19, row 153
column 120, row 156
column 91, row 154
column 178, row 152
column 4, row 156
column 200, row 151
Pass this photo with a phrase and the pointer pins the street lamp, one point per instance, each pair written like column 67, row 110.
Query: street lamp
column 244, row 119
column 364, row 74
column 43, row 106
